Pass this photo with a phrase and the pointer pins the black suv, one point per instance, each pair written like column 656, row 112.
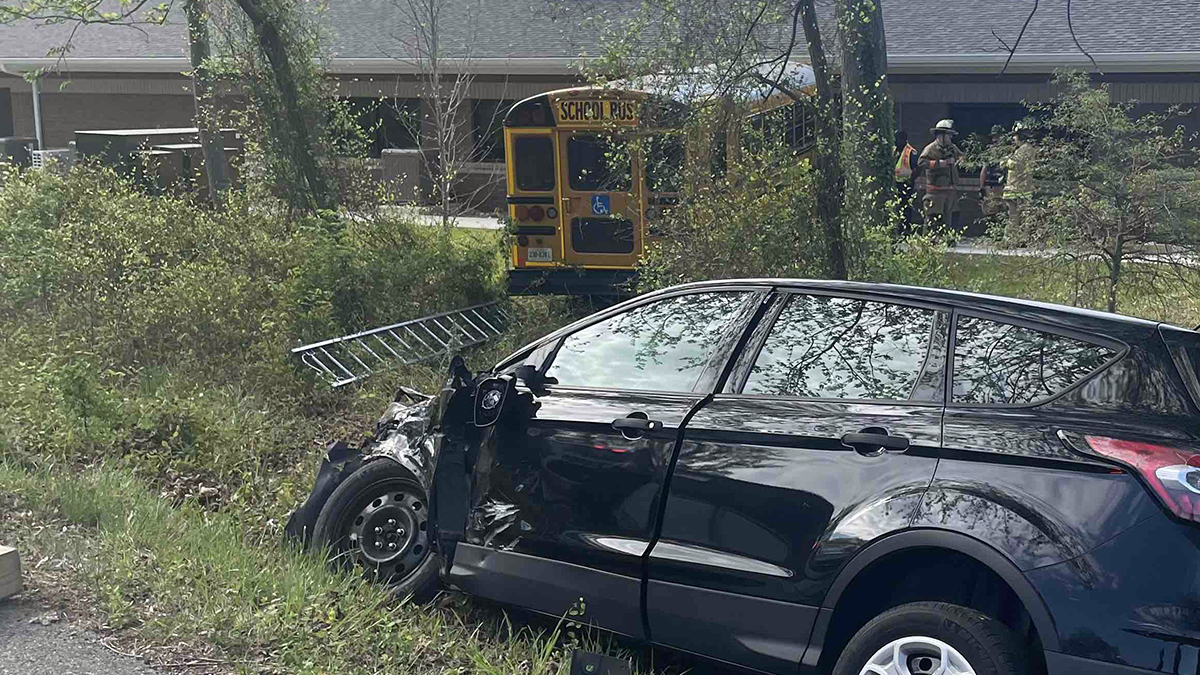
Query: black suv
column 805, row 476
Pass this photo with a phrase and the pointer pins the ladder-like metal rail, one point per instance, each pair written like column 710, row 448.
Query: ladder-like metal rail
column 351, row 358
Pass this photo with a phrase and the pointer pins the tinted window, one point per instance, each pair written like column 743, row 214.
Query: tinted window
column 1001, row 363
column 535, row 162
column 824, row 347
column 661, row 346
column 598, row 163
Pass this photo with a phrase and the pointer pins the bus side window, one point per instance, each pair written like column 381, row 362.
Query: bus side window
column 664, row 163
column 534, row 163
column 803, row 133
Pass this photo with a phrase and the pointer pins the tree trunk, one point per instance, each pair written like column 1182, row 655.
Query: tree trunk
column 868, row 128
column 828, row 164
column 206, row 109
column 270, row 41
column 1114, row 272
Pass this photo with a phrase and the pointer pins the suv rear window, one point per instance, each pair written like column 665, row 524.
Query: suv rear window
column 1000, row 363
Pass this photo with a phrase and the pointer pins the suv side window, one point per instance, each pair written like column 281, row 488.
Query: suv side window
column 829, row 347
column 660, row 346
column 1001, row 363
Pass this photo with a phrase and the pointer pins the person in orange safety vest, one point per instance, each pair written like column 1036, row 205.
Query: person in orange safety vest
column 905, row 174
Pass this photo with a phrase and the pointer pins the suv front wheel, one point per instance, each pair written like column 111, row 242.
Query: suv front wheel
column 923, row 638
column 377, row 521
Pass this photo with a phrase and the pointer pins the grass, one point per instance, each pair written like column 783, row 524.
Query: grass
column 183, row 571
column 174, row 530
column 1176, row 301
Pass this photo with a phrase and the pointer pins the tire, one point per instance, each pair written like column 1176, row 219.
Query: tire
column 381, row 494
column 916, row 631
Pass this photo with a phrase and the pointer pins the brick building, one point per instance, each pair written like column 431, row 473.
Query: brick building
column 944, row 60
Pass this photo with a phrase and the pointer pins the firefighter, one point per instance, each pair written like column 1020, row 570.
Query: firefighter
column 905, row 174
column 1018, row 186
column 939, row 162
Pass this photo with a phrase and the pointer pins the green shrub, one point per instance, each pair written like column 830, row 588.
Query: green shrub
column 759, row 220
column 156, row 329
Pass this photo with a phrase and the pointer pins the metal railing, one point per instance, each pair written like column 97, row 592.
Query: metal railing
column 351, row 358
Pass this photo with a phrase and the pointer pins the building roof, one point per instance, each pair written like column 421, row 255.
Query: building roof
column 922, row 36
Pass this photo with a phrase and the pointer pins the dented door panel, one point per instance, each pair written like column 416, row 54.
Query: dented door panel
column 567, row 486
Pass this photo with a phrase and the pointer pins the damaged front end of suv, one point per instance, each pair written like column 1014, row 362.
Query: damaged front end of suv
column 396, row 506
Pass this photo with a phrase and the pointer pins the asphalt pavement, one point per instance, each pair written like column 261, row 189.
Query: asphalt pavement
column 50, row 647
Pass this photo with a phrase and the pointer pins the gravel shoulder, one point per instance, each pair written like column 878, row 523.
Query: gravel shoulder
column 34, row 641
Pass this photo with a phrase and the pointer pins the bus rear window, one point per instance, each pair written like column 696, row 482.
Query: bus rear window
column 598, row 164
column 535, row 163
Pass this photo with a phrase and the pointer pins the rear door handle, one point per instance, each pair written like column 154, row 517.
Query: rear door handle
column 874, row 443
column 636, row 424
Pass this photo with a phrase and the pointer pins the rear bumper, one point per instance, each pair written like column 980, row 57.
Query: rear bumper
column 571, row 281
column 1065, row 664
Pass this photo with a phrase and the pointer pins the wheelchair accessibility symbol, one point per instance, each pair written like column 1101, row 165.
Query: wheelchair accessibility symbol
column 600, row 205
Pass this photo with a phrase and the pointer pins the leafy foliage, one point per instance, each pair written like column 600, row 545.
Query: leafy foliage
column 759, row 219
column 146, row 325
column 1116, row 199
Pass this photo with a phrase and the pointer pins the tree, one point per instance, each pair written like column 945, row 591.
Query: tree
column 719, row 49
column 289, row 91
column 445, row 78
column 203, row 92
column 1117, row 194
column 867, row 118
column 279, row 35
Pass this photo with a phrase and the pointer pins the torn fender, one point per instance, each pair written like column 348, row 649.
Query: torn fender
column 403, row 434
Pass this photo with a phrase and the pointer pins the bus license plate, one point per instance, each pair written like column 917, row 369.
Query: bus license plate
column 540, row 255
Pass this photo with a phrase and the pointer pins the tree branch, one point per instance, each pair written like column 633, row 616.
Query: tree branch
column 1012, row 52
column 1071, row 27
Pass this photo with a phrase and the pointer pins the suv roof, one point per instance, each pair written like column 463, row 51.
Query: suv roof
column 962, row 298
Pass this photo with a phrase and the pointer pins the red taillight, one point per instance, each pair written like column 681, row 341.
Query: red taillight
column 522, row 213
column 1173, row 473
column 536, row 214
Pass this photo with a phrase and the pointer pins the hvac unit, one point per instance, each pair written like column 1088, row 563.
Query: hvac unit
column 60, row 158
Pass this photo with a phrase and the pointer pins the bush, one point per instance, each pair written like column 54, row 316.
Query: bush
column 90, row 263
column 759, row 220
column 157, row 330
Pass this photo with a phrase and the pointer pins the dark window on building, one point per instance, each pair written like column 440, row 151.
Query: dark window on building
column 794, row 124
column 661, row 346
column 387, row 123
column 1001, row 363
column 534, row 162
column 6, row 112
column 974, row 121
column 598, row 163
column 487, row 125
column 827, row 347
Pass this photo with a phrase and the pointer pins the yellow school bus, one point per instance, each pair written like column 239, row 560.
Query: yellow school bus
column 581, row 214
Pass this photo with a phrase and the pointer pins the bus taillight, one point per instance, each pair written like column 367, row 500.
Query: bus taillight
column 522, row 213
column 536, row 214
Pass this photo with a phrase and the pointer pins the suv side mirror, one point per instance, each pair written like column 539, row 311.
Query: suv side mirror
column 534, row 379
